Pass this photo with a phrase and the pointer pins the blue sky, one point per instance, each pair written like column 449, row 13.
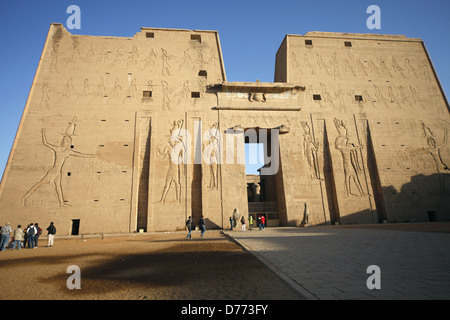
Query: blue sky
column 250, row 33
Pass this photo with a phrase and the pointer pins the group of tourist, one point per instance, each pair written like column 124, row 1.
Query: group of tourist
column 201, row 224
column 21, row 237
column 233, row 221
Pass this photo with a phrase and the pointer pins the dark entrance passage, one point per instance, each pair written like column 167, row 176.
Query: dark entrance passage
column 263, row 192
column 75, row 227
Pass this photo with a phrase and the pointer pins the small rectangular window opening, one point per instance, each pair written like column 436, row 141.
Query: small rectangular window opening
column 358, row 98
column 195, row 94
column 347, row 43
column 146, row 94
column 150, row 35
column 317, row 97
column 308, row 42
column 69, row 174
column 202, row 73
column 196, row 37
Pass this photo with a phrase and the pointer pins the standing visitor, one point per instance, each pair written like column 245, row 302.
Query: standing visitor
column 250, row 222
column 37, row 235
column 189, row 226
column 201, row 222
column 263, row 222
column 6, row 234
column 51, row 234
column 25, row 236
column 242, row 223
column 18, row 237
column 30, row 234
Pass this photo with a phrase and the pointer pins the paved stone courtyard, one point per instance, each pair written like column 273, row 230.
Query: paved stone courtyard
column 331, row 262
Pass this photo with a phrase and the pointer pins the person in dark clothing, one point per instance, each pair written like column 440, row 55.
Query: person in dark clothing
column 201, row 222
column 51, row 234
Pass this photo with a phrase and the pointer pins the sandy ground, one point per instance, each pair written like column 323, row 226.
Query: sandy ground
column 149, row 267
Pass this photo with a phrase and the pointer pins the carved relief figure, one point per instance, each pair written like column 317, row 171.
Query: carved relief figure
column 335, row 64
column 348, row 67
column 326, row 95
column 166, row 98
column 201, row 60
column 211, row 152
column 85, row 90
column 409, row 68
column 257, row 96
column 68, row 89
column 118, row 57
column 310, row 148
column 296, row 65
column 45, row 94
column 397, row 67
column 186, row 60
column 322, row 65
column 362, row 70
column 174, row 151
column 379, row 96
column 54, row 58
column 434, row 149
column 350, row 158
column 133, row 57
column 384, row 68
column 339, row 95
column 373, row 68
column 70, row 130
column 308, row 64
column 185, row 91
column 150, row 59
column 54, row 174
column 165, row 63
column 132, row 88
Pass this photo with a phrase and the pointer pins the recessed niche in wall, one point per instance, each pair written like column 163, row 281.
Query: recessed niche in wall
column 358, row 98
column 196, row 37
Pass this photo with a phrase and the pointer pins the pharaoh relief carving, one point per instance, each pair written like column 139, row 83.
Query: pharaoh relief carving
column 68, row 90
column 166, row 95
column 133, row 57
column 185, row 92
column 61, row 153
column 211, row 153
column 54, row 58
column 149, row 61
column 45, row 98
column 310, row 151
column 173, row 152
column 202, row 61
column 351, row 160
column 166, row 68
column 434, row 147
